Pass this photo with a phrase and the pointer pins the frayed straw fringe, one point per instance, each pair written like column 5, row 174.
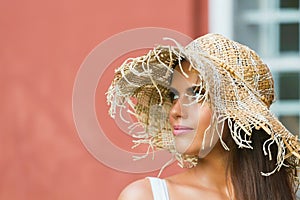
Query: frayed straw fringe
column 235, row 109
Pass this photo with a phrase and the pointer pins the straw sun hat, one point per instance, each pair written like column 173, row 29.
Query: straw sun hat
column 237, row 84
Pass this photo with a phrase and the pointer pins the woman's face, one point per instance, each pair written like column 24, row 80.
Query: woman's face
column 189, row 122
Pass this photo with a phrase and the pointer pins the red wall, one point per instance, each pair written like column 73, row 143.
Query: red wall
column 43, row 44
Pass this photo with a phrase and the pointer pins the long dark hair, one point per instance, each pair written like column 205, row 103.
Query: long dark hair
column 245, row 167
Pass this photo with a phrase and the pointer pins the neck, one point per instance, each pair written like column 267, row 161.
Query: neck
column 211, row 170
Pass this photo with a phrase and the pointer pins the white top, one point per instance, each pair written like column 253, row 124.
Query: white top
column 159, row 188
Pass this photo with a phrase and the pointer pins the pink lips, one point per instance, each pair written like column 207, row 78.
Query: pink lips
column 180, row 130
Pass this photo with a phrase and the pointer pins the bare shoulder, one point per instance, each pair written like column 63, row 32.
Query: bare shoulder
column 140, row 189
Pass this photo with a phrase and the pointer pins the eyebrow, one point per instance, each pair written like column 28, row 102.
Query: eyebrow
column 190, row 89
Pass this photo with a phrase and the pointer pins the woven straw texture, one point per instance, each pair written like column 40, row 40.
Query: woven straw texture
column 238, row 85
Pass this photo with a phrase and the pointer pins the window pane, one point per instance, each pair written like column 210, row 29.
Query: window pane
column 248, row 34
column 289, row 4
column 289, row 86
column 247, row 5
column 291, row 122
column 289, row 37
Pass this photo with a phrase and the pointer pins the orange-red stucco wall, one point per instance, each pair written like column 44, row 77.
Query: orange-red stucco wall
column 42, row 46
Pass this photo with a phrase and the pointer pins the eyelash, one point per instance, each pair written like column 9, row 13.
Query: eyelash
column 172, row 96
column 195, row 92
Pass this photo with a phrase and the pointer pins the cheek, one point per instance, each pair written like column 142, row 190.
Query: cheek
column 202, row 122
column 204, row 118
column 201, row 117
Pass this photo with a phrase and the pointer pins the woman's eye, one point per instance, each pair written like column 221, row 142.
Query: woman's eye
column 198, row 91
column 173, row 96
column 193, row 91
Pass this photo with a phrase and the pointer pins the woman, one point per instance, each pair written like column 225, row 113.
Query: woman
column 217, row 94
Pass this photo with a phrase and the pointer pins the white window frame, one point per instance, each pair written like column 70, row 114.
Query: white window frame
column 221, row 15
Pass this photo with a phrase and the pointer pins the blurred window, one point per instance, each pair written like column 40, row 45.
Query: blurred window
column 289, row 4
column 289, row 37
column 271, row 28
column 291, row 122
column 289, row 86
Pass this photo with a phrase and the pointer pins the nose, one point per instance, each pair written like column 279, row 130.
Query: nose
column 177, row 110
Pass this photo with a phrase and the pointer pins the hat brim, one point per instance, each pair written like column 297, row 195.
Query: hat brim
column 232, row 98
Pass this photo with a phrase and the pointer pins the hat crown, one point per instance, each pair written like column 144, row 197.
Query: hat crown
column 241, row 60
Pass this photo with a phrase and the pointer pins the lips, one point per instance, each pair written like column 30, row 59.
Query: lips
column 181, row 130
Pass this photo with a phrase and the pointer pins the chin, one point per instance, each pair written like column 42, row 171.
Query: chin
column 187, row 144
column 186, row 147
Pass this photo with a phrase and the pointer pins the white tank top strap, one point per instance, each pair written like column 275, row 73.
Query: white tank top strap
column 159, row 188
